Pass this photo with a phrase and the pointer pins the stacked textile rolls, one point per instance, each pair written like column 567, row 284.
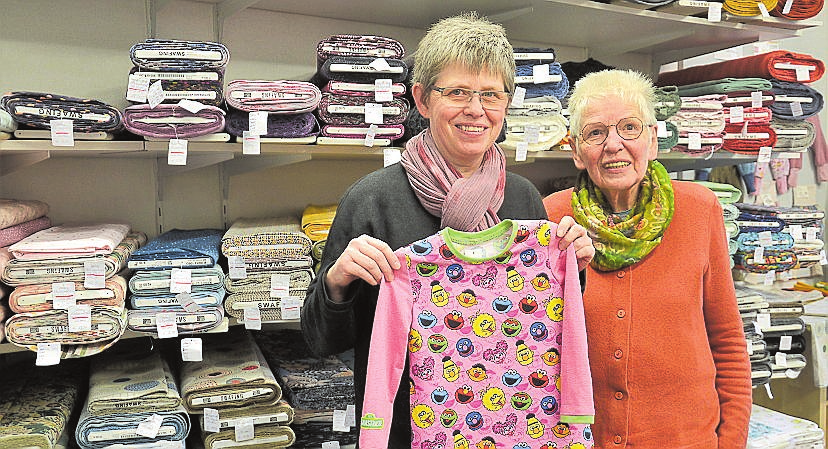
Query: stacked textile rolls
column 748, row 8
column 286, row 106
column 700, row 123
column 798, row 10
column 537, row 71
column 667, row 104
column 36, row 110
column 316, row 223
column 727, row 196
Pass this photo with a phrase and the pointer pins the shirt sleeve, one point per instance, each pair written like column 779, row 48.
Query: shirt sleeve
column 386, row 359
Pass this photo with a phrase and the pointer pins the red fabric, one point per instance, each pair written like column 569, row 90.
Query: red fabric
column 749, row 146
column 757, row 66
column 800, row 9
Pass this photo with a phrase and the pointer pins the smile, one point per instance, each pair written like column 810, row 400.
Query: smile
column 619, row 164
column 473, row 129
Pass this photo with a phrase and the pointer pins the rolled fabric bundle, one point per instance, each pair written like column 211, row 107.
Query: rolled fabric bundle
column 780, row 326
column 747, row 8
column 171, row 121
column 37, row 109
column 38, row 297
column 179, row 248
column 14, row 212
column 157, row 282
column 710, row 143
column 557, row 89
column 786, row 93
column 99, row 432
column 360, row 69
column 667, row 102
column 726, row 194
column 350, row 110
column 276, row 97
column 204, row 319
column 204, row 87
column 7, row 123
column 730, row 212
column 303, row 124
column 749, row 222
column 749, row 241
column 671, row 140
column 280, row 413
column 276, row 237
column 750, row 139
column 750, row 115
column 711, row 122
column 535, row 55
column 360, row 89
column 793, row 135
column 799, row 9
column 774, row 260
column 265, row 436
column 317, row 220
column 360, row 131
column 18, row 232
column 732, row 230
column 270, row 308
column 70, row 241
column 179, row 55
column 551, row 128
column 260, row 282
column 779, row 64
column 724, row 86
column 171, row 301
column 745, row 98
column 260, row 264
column 359, row 45
column 318, row 249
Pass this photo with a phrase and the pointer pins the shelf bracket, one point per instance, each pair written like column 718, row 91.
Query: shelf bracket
column 248, row 164
column 12, row 162
column 225, row 9
column 194, row 161
column 152, row 8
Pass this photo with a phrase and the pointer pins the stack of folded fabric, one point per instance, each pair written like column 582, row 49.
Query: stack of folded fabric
column 770, row 429
column 538, row 123
column 192, row 254
column 7, row 125
column 758, row 228
column 91, row 119
column 126, row 391
column 784, row 335
column 751, row 303
column 667, row 104
column 315, row 387
column 727, row 196
column 21, row 218
column 316, row 223
column 748, row 8
column 361, row 76
column 85, row 256
column 235, row 379
column 700, row 123
column 794, row 100
column 538, row 73
column 288, row 106
column 798, row 10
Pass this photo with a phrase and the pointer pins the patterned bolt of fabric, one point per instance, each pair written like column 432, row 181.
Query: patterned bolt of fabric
column 793, row 135
column 269, row 308
column 780, row 64
column 350, row 110
column 15, row 233
column 278, row 125
column 748, row 139
column 265, row 436
column 7, row 123
column 71, row 240
column 749, row 241
column 667, row 103
column 703, row 115
column 360, row 131
column 359, row 69
column 558, row 89
column 37, row 109
column 360, row 89
column 799, row 9
column 787, row 93
column 551, row 129
column 39, row 297
column 277, row 97
column 205, row 87
column 14, row 211
column 359, row 45
column 277, row 237
column 747, row 8
column 749, row 115
column 177, row 55
column 205, row 318
column 157, row 282
column 170, row 121
column 179, row 248
column 756, row 222
column 776, row 260
column 260, row 282
column 280, row 413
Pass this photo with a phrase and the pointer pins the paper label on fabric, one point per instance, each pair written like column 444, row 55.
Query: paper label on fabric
column 350, row 415
column 811, row 234
column 279, row 285
column 330, row 445
column 237, row 267
column 768, row 390
column 770, row 277
column 694, row 141
column 177, row 152
column 252, row 318
column 661, row 129
column 788, row 155
column 803, row 73
column 149, row 427
column 540, row 73
column 518, row 97
column 823, row 260
column 165, row 325
column 373, row 113
column 764, row 154
column 244, row 429
column 363, row 68
column 211, row 420
column 187, row 303
column 796, row 109
column 370, row 136
column 251, row 144
column 62, row 133
column 793, row 374
column 155, row 94
column 61, row 113
column 750, row 348
column 380, row 65
column 257, row 122
column 209, row 55
column 765, row 238
column 181, row 280
column 714, row 11
column 796, row 232
column 528, row 56
column 791, row 99
column 759, row 254
column 780, row 359
column 521, row 150
column 382, row 90
column 191, row 349
column 763, row 320
column 232, row 396
column 290, row 308
column 737, row 114
column 48, row 354
column 785, row 342
column 787, row 8
column 194, row 76
column 63, row 295
column 339, row 424
column 94, row 274
column 192, row 106
column 191, row 95
column 391, row 156
column 137, row 88
column 532, row 134
column 80, row 318
column 763, row 9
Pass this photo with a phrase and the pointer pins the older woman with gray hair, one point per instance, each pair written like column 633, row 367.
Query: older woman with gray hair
column 451, row 175
column 666, row 344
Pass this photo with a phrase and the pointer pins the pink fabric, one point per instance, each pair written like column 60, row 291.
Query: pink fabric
column 465, row 204
column 820, row 148
column 780, row 168
column 14, row 212
column 75, row 240
column 793, row 176
column 18, row 232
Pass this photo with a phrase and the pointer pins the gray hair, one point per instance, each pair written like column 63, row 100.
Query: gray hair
column 628, row 85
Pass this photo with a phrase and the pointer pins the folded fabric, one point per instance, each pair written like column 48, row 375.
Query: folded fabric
column 171, row 121
column 748, row 138
column 280, row 413
column 265, row 436
column 669, row 141
column 782, row 65
column 780, row 326
column 359, row 45
column 362, row 69
column 729, row 212
column 317, row 221
column 318, row 249
column 70, row 241
column 38, row 109
column 233, row 373
column 724, row 86
column 18, row 232
column 793, row 135
column 99, row 432
column 558, row 89
column 270, row 309
column 7, row 123
column 549, row 129
column 179, row 55
column 276, row 97
column 204, row 87
column 774, row 260
column 805, row 216
column 747, row 8
column 278, row 125
column 708, row 142
column 789, row 97
column 205, row 318
column 798, row 10
column 360, row 131
column 749, row 241
column 278, row 238
column 172, row 301
column 361, row 89
column 21, row 272
column 260, row 281
column 667, row 102
column 260, row 264
column 725, row 193
column 761, row 115
column 179, row 248
column 158, row 282
column 337, row 109
column 752, row 222
column 39, row 297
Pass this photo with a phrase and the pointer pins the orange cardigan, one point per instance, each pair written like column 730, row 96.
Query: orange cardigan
column 666, row 346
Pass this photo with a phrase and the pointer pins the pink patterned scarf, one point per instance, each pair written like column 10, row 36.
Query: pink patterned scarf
column 465, row 204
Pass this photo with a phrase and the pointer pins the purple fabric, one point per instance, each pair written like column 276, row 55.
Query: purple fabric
column 278, row 125
column 327, row 110
column 278, row 97
column 134, row 114
column 359, row 131
column 14, row 234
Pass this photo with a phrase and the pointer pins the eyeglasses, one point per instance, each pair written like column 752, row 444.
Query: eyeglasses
column 490, row 99
column 627, row 128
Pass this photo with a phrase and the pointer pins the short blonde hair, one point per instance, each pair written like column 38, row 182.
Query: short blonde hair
column 628, row 85
column 468, row 40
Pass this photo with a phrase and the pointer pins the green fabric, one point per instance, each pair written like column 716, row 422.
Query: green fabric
column 725, row 193
column 723, row 86
column 619, row 245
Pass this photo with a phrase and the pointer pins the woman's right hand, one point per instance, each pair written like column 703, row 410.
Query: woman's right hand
column 364, row 258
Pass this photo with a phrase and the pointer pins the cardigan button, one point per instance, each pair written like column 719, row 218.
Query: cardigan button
column 616, row 439
column 618, row 353
column 619, row 395
column 621, row 274
column 621, row 313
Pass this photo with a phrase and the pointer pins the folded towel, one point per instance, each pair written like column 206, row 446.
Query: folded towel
column 18, row 232
column 179, row 55
column 179, row 248
column 276, row 97
column 37, row 109
column 171, row 121
column 71, row 241
column 776, row 64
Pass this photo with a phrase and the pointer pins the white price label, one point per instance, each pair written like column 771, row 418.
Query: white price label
column 137, row 88
column 811, row 233
column 155, row 94
column 780, row 360
column 380, row 65
column 350, row 415
column 181, row 280
column 770, row 276
column 756, row 99
column 540, row 73
column 532, row 134
column 763, row 9
column 47, row 354
column 252, row 318
column 177, row 152
column 382, row 90
column 94, row 274
column 165, row 325
column 759, row 254
column 290, row 308
column 191, row 105
column 251, row 143
column 191, row 349
column 149, row 427
column 803, row 74
column 330, row 445
column 211, row 420
column 279, row 285
column 63, row 295
column 765, row 238
column 763, row 320
column 714, row 12
column 764, row 154
column 61, row 131
column 737, row 114
column 785, row 342
column 661, row 129
column 80, row 318
column 796, row 109
column 187, row 302
column 518, row 97
column 796, row 232
column 244, row 429
column 373, row 113
column 237, row 267
column 823, row 260
column 391, row 156
column 521, row 150
column 694, row 141
column 787, row 8
column 339, row 424
column 257, row 122
column 370, row 135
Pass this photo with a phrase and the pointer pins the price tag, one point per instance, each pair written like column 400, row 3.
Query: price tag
column 759, row 254
column 390, row 156
column 796, row 232
column 181, row 280
column 350, row 415
column 257, row 122
column 787, row 8
column 811, row 233
column 793, row 374
column 750, row 348
column 714, row 12
column 370, row 135
column 165, row 325
column 137, row 88
column 745, row 130
column 177, row 152
column 756, row 99
column 237, row 267
column 785, row 342
column 780, row 360
column 764, row 154
column 339, row 424
column 694, row 141
column 191, row 349
column 251, row 143
column 521, row 150
column 252, row 318
column 380, row 65
column 373, row 113
column 796, row 109
column 803, row 74
column 290, row 308
column 765, row 238
column 149, row 427
column 330, row 445
column 80, row 318
column 211, row 420
column 737, row 114
column 61, row 131
column 279, row 285
column 94, row 274
column 382, row 90
column 63, row 295
column 540, row 73
column 532, row 134
column 763, row 320
column 187, row 303
column 191, row 105
column 518, row 97
column 763, row 9
column 770, row 276
column 822, row 259
column 155, row 94
column 661, row 129
column 48, row 354
column 244, row 429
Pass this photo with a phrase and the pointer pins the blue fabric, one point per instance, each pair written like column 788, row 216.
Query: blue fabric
column 182, row 244
column 558, row 90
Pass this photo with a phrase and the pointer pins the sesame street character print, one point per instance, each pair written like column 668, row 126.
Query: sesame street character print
column 439, row 442
column 496, row 354
column 483, row 325
column 544, row 232
column 486, row 443
column 425, row 370
column 439, row 396
column 455, row 272
column 528, row 257
column 506, row 427
column 448, row 418
column 422, row 416
column 467, row 298
column 464, row 346
column 415, row 341
column 439, row 296
column 450, row 370
column 486, row 280
column 493, row 399
column 460, row 441
column 477, row 373
column 454, row 320
column 426, row 319
column 514, row 280
column 474, row 420
column 534, row 428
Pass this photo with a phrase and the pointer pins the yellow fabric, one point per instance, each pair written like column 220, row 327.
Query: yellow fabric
column 317, row 220
column 747, row 7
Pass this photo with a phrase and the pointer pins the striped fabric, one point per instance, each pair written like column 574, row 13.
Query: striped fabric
column 775, row 64
column 37, row 109
column 179, row 55
column 350, row 110
column 204, row 87
column 360, row 89
column 277, row 237
column 276, row 97
column 171, row 121
column 361, row 69
column 359, row 45
column 38, row 297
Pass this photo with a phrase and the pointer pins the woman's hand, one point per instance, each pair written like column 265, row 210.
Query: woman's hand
column 572, row 233
column 364, row 258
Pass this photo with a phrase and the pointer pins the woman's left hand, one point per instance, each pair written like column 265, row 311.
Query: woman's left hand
column 572, row 233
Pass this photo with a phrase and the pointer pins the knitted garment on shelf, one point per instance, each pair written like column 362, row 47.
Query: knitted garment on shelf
column 14, row 212
column 360, row 70
column 203, row 87
column 269, row 308
column 178, row 55
column 280, row 413
column 667, row 102
column 303, row 124
column 265, row 436
column 557, row 89
column 171, row 121
column 360, row 131
column 170, row 301
column 205, row 318
column 277, row 97
column 749, row 115
column 233, row 373
column 774, row 260
column 276, row 237
column 259, row 281
column 786, row 93
column 799, row 10
column 577, row 70
column 350, row 110
column 724, row 86
column 360, row 89
column 28, row 329
column 748, row 8
column 757, row 66
column 179, row 248
column 70, row 240
column 793, row 135
column 37, row 109
column 38, row 297
column 21, row 272
column 745, row 98
column 157, row 282
column 748, row 139
column 17, row 232
column 359, row 45
column 671, row 140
